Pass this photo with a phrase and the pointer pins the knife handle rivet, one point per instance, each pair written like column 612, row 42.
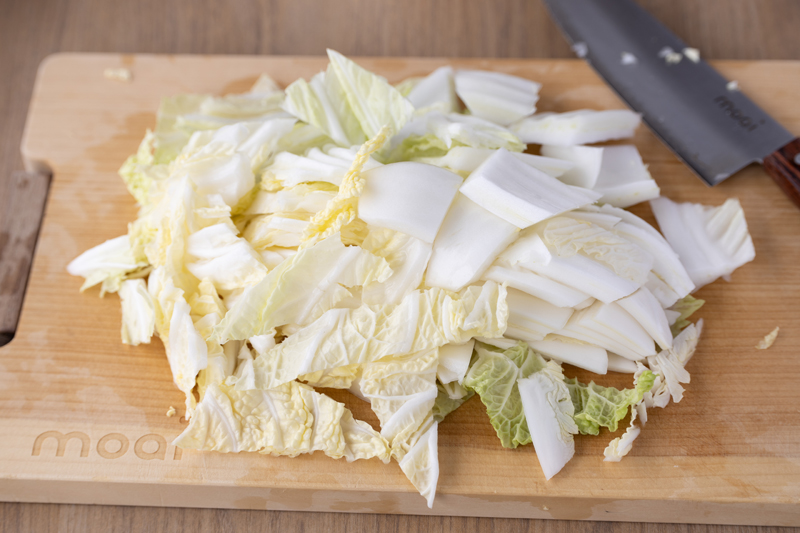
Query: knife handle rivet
column 797, row 159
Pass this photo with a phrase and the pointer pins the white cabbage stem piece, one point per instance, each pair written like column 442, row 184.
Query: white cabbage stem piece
column 548, row 412
column 497, row 97
column 584, row 126
column 531, row 318
column 712, row 242
column 647, row 311
column 586, row 160
column 617, row 363
column 611, row 327
column 327, row 165
column 668, row 281
column 615, row 171
column 519, row 193
column 539, row 286
column 466, row 159
column 576, row 353
column 409, row 197
column 454, row 361
column 435, row 89
column 469, row 240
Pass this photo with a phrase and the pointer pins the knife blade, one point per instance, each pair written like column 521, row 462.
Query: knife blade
column 706, row 121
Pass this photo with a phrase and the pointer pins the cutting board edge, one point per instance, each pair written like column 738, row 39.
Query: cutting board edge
column 632, row 503
column 399, row 503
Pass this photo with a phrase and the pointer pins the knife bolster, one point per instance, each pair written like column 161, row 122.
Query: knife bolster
column 782, row 165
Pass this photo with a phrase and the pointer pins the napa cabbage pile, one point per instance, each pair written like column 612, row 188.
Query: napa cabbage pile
column 398, row 242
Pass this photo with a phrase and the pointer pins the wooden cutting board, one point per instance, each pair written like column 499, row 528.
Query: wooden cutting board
column 82, row 417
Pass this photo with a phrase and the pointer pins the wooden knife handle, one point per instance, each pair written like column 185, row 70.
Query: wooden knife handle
column 21, row 210
column 783, row 165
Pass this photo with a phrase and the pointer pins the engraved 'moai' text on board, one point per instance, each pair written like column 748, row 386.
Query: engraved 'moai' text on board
column 110, row 446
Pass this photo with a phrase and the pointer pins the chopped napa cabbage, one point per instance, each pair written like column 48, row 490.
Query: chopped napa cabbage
column 465, row 159
column 712, row 242
column 539, row 286
column 685, row 308
column 454, row 361
column 644, row 307
column 223, row 161
column 597, row 406
column 531, row 318
column 329, row 165
column 291, row 292
column 263, row 232
column 264, row 86
column 584, row 126
column 669, row 367
column 586, row 161
column 435, row 91
column 498, row 342
column 141, row 232
column 138, row 312
column 349, row 234
column 221, row 363
column 455, row 390
column 141, row 174
column 581, row 255
column 617, row 363
column 434, row 133
column 592, row 215
column 206, row 301
column 445, row 404
column 569, row 237
column 348, row 103
column 407, row 85
column 186, row 349
column 179, row 214
column 581, row 273
column 620, row 446
column 421, row 464
column 407, row 257
column 497, row 97
column 243, row 377
column 336, row 378
column 768, row 340
column 519, row 193
column 402, row 391
column 469, row 239
column 422, row 321
column 611, row 327
column 216, row 253
column 275, row 255
column 617, row 172
column 306, row 198
column 289, row 420
column 573, row 352
column 409, row 197
column 302, row 139
column 109, row 263
column 624, row 179
column 341, row 210
column 669, row 280
column 548, row 413
column 493, row 375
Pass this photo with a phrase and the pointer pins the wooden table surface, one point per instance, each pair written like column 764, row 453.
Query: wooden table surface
column 32, row 29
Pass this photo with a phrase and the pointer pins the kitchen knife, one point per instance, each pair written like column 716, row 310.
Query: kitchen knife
column 709, row 124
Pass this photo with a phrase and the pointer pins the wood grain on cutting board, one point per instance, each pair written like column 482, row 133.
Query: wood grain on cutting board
column 83, row 417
